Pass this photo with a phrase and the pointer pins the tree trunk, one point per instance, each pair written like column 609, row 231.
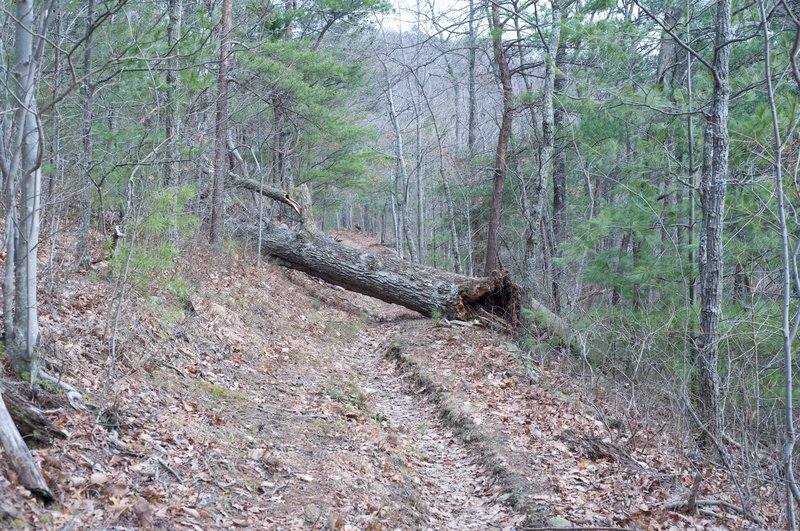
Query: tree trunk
column 712, row 201
column 21, row 271
column 20, row 457
column 401, row 180
column 665, row 73
column 420, row 156
column 420, row 192
column 85, row 221
column 23, row 337
column 500, row 162
column 30, row 421
column 424, row 289
column 691, row 171
column 171, row 119
column 559, row 186
column 451, row 215
column 538, row 202
column 221, row 142
column 471, row 90
column 616, row 296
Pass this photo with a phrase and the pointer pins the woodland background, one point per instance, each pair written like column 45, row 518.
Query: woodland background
column 633, row 163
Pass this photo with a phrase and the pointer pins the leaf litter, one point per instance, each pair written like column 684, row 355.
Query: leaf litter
column 268, row 401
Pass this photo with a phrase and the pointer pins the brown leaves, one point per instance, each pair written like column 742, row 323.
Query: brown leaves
column 144, row 513
column 593, row 474
column 234, row 422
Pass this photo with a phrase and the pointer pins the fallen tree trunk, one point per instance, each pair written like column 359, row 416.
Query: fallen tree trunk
column 543, row 319
column 20, row 457
column 424, row 289
column 427, row 290
column 31, row 421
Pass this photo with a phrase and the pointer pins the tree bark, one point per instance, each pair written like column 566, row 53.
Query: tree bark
column 20, row 457
column 401, row 180
column 171, row 119
column 25, row 165
column 712, row 200
column 538, row 203
column 471, row 90
column 788, row 328
column 387, row 277
column 559, row 186
column 451, row 221
column 31, row 422
column 421, row 77
column 276, row 194
column 500, row 162
column 85, row 220
column 221, row 142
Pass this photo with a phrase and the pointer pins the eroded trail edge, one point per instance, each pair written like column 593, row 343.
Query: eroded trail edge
column 450, row 483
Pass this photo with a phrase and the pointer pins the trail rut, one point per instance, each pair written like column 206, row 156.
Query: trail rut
column 455, row 492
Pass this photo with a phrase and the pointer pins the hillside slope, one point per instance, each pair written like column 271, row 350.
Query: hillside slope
column 264, row 398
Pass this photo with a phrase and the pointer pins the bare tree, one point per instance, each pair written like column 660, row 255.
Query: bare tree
column 84, row 223
column 789, row 326
column 503, row 137
column 221, row 128
column 20, row 165
column 539, row 231
column 22, row 175
column 713, row 185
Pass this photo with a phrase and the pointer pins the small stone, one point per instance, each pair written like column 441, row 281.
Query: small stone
column 77, row 481
column 311, row 513
column 559, row 522
column 98, row 478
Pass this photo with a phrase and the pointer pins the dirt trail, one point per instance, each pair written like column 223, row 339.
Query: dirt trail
column 455, row 491
column 270, row 402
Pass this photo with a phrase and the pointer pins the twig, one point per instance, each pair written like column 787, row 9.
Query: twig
column 725, row 458
column 170, row 470
column 691, row 503
column 456, row 322
column 278, row 489
column 708, row 502
column 174, row 368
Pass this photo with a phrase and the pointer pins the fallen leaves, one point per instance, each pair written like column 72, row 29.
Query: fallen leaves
column 590, row 474
column 232, row 422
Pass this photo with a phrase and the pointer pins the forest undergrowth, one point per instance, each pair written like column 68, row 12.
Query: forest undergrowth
column 262, row 398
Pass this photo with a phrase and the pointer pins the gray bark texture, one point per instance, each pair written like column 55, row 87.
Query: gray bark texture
column 504, row 135
column 19, row 456
column 387, row 277
column 22, row 339
column 32, row 423
column 713, row 183
column 172, row 118
column 85, row 221
column 221, row 127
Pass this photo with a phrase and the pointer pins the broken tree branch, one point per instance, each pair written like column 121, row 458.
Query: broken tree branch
column 271, row 192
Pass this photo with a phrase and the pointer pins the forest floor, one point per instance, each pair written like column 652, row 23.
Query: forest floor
column 262, row 398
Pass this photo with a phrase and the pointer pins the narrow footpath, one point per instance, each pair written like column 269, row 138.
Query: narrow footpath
column 455, row 491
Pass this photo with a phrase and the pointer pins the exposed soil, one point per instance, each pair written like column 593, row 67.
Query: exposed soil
column 453, row 486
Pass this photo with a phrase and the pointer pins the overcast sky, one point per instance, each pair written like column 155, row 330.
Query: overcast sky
column 404, row 15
